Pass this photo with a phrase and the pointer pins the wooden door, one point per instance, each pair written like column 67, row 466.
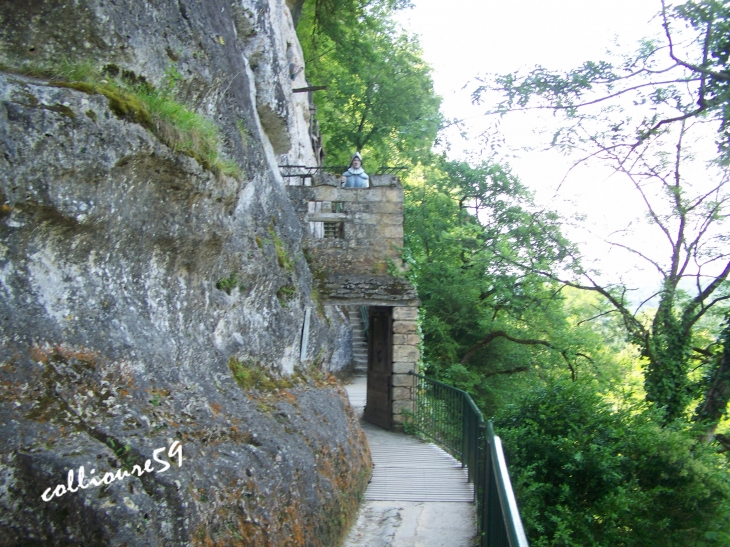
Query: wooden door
column 378, row 409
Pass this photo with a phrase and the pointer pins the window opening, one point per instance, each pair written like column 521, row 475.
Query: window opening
column 333, row 230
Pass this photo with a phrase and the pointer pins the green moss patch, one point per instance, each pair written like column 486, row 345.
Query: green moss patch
column 282, row 256
column 251, row 375
column 228, row 284
column 286, row 293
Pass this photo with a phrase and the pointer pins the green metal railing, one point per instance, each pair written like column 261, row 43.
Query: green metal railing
column 450, row 418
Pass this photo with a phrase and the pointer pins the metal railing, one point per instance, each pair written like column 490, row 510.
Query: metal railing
column 309, row 171
column 450, row 418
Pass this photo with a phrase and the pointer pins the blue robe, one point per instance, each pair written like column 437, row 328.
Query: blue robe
column 355, row 178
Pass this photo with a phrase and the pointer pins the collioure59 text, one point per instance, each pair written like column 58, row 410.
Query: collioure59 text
column 175, row 450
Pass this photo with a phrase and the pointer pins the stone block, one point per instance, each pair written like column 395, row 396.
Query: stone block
column 405, row 353
column 387, row 207
column 393, row 231
column 404, row 327
column 380, row 219
column 369, row 218
column 406, row 339
column 394, row 195
column 402, row 380
column 405, row 313
column 403, row 368
column 401, row 393
column 400, row 406
column 373, row 194
column 383, row 180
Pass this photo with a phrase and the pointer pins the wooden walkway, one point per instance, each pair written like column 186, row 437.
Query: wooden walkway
column 406, row 468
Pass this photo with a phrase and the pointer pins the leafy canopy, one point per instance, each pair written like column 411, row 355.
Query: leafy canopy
column 380, row 98
column 682, row 75
column 586, row 473
column 488, row 325
column 647, row 117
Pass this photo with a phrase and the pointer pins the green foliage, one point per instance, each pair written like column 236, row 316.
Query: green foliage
column 228, row 284
column 123, row 453
column 487, row 325
column 380, row 98
column 186, row 131
column 715, row 383
column 251, row 375
column 589, row 474
column 282, row 256
column 409, row 426
column 640, row 114
column 285, row 294
column 131, row 98
column 317, row 299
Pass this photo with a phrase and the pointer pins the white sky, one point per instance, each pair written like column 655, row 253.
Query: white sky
column 462, row 39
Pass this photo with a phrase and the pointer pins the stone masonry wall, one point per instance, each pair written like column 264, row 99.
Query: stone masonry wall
column 405, row 359
column 373, row 224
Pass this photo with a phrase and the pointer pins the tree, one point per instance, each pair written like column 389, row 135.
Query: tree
column 684, row 75
column 645, row 139
column 380, row 98
column 486, row 323
column 590, row 472
column 690, row 218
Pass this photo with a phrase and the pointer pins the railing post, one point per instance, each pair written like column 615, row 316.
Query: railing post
column 465, row 435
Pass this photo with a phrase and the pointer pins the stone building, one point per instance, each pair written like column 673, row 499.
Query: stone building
column 353, row 239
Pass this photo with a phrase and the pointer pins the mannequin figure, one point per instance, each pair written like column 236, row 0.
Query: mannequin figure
column 355, row 176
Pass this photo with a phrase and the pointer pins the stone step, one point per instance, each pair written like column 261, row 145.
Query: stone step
column 359, row 342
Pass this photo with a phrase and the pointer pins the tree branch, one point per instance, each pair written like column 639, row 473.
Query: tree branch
column 501, row 334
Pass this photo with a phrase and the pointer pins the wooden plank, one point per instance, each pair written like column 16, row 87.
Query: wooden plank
column 407, row 468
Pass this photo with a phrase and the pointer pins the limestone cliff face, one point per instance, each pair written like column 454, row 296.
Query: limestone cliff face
column 147, row 301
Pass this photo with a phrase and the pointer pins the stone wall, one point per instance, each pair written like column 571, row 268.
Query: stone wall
column 353, row 269
column 372, row 225
column 406, row 354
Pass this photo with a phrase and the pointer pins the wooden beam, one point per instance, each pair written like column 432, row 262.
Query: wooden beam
column 310, row 88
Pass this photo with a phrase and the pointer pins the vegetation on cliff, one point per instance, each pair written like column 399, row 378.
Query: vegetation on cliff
column 133, row 99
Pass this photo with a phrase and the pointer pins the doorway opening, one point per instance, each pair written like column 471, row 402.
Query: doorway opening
column 379, row 398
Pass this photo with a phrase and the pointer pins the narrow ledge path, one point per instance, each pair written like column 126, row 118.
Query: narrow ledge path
column 418, row 495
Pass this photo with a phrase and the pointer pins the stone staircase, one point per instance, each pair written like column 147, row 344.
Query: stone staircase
column 359, row 343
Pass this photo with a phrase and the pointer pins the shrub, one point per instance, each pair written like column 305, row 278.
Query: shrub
column 588, row 474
